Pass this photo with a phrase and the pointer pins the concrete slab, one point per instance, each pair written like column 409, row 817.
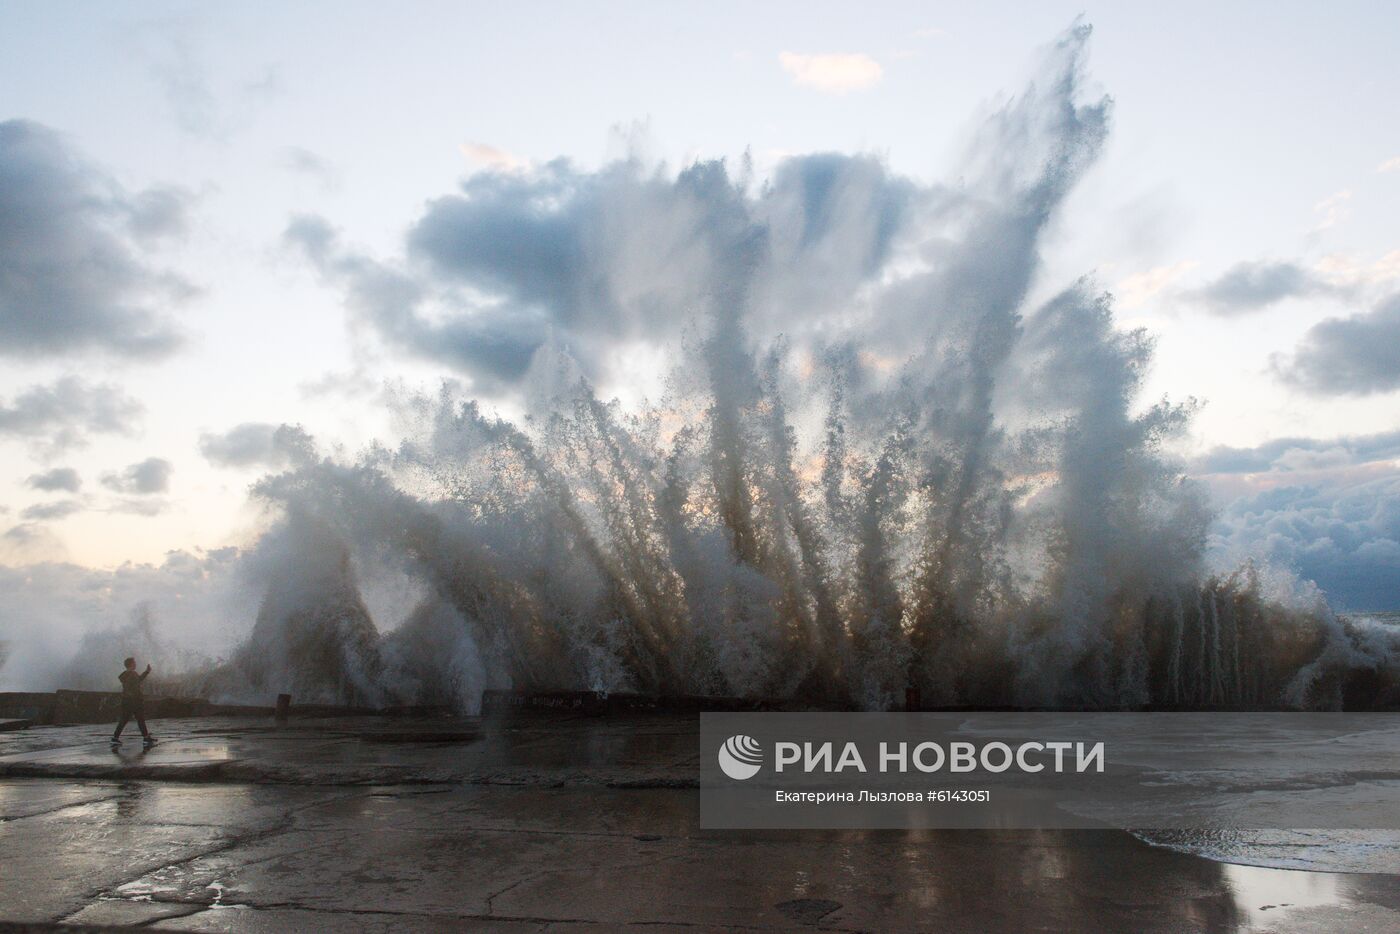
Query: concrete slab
column 121, row 912
column 368, row 750
column 288, row 920
column 55, row 864
column 28, row 798
column 539, row 828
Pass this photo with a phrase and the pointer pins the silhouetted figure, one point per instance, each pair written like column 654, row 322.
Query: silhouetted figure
column 133, row 705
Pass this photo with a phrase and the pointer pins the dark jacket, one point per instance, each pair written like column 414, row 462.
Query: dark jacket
column 131, row 685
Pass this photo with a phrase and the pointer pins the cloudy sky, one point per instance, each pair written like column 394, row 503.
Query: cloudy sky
column 225, row 229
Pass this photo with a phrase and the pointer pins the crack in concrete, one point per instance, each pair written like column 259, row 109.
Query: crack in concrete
column 61, row 807
column 392, row 912
column 284, row 823
column 475, row 916
column 491, row 899
column 194, row 910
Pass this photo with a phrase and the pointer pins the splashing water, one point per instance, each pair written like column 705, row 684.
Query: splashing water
column 874, row 464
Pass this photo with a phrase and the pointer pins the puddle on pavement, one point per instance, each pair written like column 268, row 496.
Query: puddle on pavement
column 1265, row 896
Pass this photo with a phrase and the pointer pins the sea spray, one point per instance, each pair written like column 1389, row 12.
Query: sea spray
column 876, row 464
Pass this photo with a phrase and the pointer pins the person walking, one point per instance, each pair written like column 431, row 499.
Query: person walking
column 133, row 705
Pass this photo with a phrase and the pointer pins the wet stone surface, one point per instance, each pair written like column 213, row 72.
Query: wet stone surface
column 551, row 825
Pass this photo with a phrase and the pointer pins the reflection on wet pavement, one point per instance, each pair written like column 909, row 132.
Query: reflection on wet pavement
column 557, row 824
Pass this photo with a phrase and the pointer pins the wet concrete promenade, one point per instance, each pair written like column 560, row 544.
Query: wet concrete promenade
column 550, row 824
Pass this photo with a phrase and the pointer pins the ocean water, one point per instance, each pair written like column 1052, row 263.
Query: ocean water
column 1321, row 850
column 1317, row 850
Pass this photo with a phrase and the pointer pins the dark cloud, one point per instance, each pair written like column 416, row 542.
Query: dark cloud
column 148, row 477
column 519, row 238
column 71, row 275
column 1252, row 286
column 258, row 444
column 62, row 415
column 496, row 345
column 587, row 261
column 555, row 268
column 1300, row 454
column 55, row 510
column 1354, row 356
column 64, row 479
column 1342, row 532
column 1328, row 509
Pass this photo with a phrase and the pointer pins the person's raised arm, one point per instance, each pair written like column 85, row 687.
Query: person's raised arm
column 146, row 672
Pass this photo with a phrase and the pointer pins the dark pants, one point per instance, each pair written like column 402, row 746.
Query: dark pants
column 132, row 709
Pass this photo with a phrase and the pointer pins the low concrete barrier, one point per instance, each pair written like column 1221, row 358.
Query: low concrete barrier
column 65, row 707
column 87, row 707
column 27, row 705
